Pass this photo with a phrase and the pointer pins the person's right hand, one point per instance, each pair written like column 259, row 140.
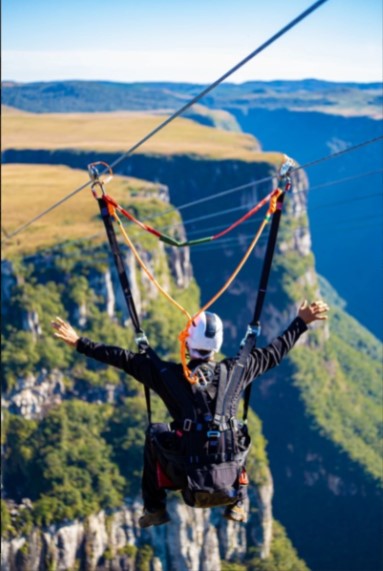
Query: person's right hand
column 65, row 332
column 316, row 311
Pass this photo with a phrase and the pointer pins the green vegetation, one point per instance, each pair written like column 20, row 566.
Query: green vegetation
column 144, row 558
column 283, row 556
column 341, row 388
column 128, row 550
column 62, row 463
column 6, row 525
column 230, row 566
column 339, row 379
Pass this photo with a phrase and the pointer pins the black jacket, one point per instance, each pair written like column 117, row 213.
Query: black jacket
column 152, row 372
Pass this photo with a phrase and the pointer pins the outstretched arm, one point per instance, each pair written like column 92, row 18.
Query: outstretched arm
column 261, row 360
column 134, row 364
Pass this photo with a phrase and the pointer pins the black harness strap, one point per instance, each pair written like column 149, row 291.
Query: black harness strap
column 119, row 265
column 219, row 413
column 141, row 339
column 254, row 326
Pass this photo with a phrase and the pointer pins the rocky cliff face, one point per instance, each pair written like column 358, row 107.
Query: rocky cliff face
column 194, row 540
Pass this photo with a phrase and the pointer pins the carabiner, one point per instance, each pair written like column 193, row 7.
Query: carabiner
column 94, row 176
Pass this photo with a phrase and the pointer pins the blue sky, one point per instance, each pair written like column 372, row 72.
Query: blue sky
column 192, row 41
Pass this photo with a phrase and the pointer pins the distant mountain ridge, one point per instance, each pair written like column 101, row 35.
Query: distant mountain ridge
column 92, row 96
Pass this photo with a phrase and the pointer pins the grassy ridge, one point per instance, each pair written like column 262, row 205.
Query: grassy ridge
column 116, row 132
column 30, row 189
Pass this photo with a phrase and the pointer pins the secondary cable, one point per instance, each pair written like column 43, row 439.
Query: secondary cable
column 243, row 207
column 258, row 182
column 239, row 241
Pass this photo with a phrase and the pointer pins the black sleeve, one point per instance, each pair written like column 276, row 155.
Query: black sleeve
column 138, row 365
column 261, row 360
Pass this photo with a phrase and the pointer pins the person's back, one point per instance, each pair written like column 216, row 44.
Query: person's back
column 203, row 450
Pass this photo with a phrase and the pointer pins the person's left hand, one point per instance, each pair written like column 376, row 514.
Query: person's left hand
column 65, row 332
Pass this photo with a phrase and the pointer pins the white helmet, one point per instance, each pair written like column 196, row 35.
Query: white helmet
column 205, row 336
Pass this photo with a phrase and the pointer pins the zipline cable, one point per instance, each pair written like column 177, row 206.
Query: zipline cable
column 236, row 240
column 240, row 241
column 256, row 183
column 194, row 100
column 258, row 218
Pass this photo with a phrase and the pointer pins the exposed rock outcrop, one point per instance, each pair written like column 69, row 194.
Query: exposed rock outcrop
column 194, row 540
column 34, row 395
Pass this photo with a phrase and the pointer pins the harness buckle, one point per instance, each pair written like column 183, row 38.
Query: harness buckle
column 254, row 330
column 187, row 425
column 141, row 340
column 213, row 433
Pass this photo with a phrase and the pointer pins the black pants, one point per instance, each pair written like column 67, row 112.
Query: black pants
column 154, row 497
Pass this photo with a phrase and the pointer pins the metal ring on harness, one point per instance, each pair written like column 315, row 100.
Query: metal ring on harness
column 94, row 176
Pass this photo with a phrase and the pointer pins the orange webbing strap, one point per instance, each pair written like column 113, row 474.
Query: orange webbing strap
column 113, row 213
column 184, row 333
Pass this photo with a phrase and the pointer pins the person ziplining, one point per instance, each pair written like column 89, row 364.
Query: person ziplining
column 203, row 451
column 194, row 433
